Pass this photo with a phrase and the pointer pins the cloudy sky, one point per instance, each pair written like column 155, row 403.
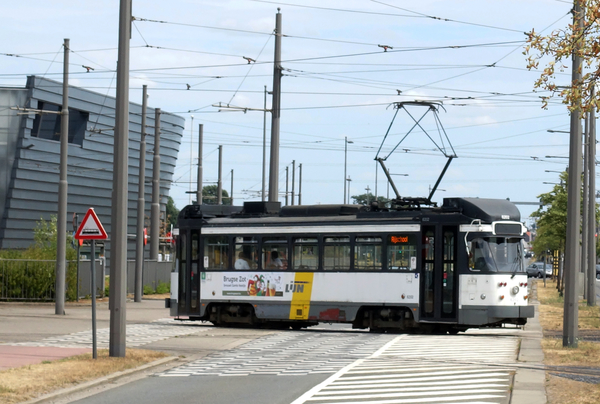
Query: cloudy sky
column 345, row 65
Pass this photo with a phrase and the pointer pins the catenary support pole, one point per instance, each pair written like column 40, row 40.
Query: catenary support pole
column 275, row 115
column 287, row 182
column 61, row 221
column 591, row 256
column 585, row 201
column 191, row 156
column 118, row 238
column 200, row 141
column 231, row 195
column 141, row 204
column 293, row 180
column 264, row 158
column 571, row 313
column 220, row 179
column 155, row 206
column 299, row 184
column 345, row 166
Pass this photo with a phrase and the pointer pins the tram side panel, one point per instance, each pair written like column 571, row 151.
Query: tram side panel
column 314, row 296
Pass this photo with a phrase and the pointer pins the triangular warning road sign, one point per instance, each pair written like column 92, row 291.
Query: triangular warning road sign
column 90, row 228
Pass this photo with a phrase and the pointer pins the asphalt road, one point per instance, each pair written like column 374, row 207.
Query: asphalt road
column 329, row 364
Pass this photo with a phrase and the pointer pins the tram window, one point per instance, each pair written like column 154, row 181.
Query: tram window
column 495, row 254
column 336, row 254
column 275, row 253
column 367, row 254
column 306, row 254
column 402, row 252
column 246, row 253
column 216, row 252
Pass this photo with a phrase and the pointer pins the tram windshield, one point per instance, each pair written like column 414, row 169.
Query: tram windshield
column 496, row 254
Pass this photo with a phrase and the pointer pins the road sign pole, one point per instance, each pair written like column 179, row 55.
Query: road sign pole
column 91, row 229
column 94, row 340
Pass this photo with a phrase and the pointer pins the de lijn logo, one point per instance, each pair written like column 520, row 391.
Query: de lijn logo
column 295, row 286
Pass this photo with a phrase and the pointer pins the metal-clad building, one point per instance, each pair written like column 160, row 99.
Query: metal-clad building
column 30, row 155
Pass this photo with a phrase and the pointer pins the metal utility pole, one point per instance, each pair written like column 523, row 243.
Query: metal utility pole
column 200, row 140
column 61, row 221
column 571, row 314
column 276, row 113
column 585, row 202
column 141, row 205
column 293, row 179
column 591, row 256
column 300, row 184
column 118, row 239
column 220, row 180
column 155, row 207
column 264, row 165
column 345, row 164
column 231, row 195
column 191, row 155
column 287, row 172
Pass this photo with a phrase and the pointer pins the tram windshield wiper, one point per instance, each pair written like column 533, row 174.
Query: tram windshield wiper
column 518, row 262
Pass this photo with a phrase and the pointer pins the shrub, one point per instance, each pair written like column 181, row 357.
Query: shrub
column 33, row 278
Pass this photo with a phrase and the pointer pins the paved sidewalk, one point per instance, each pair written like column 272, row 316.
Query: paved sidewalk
column 529, row 386
column 26, row 328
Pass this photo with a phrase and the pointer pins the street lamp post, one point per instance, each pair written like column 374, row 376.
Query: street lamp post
column 346, row 141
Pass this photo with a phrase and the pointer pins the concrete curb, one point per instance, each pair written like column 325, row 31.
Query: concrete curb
column 52, row 396
column 529, row 385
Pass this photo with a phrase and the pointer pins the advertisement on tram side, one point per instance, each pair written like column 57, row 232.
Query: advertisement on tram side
column 266, row 284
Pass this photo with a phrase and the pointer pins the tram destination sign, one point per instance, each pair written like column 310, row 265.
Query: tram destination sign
column 91, row 228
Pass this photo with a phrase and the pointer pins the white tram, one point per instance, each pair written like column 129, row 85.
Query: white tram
column 433, row 269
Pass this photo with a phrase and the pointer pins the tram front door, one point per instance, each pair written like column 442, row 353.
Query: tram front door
column 439, row 286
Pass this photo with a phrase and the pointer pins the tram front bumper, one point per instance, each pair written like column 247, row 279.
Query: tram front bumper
column 483, row 315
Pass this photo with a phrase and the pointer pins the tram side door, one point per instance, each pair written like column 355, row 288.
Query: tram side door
column 189, row 276
column 439, row 286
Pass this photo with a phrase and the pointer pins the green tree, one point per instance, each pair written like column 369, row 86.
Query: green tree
column 172, row 212
column 44, row 241
column 555, row 51
column 552, row 219
column 209, row 195
column 366, row 199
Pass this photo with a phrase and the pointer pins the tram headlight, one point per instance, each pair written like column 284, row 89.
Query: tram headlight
column 515, row 290
column 483, row 296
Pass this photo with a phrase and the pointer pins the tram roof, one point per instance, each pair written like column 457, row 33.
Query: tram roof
column 486, row 210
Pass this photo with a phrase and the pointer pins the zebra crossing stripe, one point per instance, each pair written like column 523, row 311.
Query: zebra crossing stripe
column 310, row 393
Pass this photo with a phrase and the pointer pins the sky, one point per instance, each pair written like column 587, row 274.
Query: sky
column 346, row 65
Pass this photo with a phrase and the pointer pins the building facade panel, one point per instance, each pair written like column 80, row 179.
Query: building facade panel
column 29, row 187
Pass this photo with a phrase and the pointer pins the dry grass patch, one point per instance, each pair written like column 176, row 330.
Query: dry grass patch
column 552, row 309
column 587, row 354
column 27, row 382
column 561, row 390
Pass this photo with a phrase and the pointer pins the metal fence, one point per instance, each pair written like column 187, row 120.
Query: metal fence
column 34, row 280
column 29, row 279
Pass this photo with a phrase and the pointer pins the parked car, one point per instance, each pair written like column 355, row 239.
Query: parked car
column 597, row 271
column 536, row 270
